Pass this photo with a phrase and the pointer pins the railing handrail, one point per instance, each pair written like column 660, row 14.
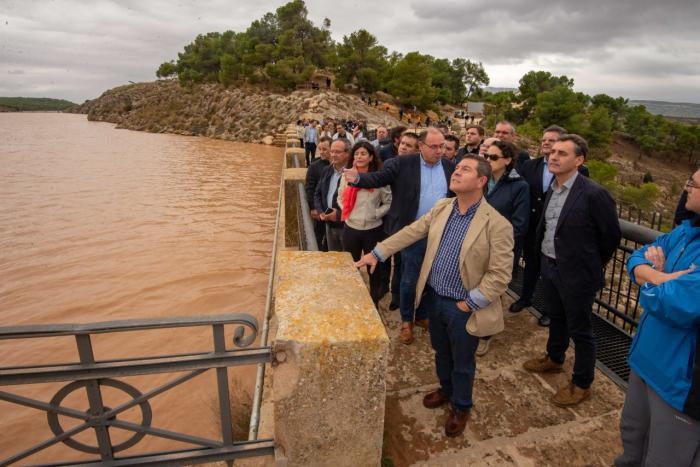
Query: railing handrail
column 67, row 329
column 638, row 233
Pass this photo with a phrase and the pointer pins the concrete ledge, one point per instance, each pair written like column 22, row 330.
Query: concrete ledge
column 292, row 177
column 329, row 387
column 293, row 143
column 289, row 157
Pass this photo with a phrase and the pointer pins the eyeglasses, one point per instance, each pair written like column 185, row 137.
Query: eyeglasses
column 690, row 184
column 494, row 157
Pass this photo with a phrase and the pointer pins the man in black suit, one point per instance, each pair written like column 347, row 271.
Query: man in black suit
column 325, row 197
column 417, row 182
column 313, row 175
column 538, row 177
column 577, row 235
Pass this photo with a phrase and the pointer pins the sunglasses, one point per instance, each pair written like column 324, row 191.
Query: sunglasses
column 494, row 157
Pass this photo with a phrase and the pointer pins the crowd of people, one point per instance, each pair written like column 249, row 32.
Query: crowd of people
column 456, row 219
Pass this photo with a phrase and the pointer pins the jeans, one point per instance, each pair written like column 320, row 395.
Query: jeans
column 570, row 313
column 411, row 262
column 454, row 347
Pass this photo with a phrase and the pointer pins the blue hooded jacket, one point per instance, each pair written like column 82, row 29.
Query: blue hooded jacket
column 665, row 352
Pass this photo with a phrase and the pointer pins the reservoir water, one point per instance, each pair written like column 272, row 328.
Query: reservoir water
column 102, row 224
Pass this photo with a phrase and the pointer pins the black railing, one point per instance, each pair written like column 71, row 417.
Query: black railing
column 90, row 375
column 618, row 300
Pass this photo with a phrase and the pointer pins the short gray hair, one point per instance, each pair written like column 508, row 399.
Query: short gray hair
column 483, row 168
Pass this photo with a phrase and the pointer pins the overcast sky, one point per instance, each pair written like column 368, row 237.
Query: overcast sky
column 639, row 49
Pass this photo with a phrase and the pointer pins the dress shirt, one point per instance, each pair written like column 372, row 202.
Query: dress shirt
column 444, row 275
column 333, row 187
column 433, row 186
column 551, row 215
column 547, row 176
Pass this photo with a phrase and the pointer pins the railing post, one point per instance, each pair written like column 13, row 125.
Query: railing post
column 94, row 395
column 222, row 382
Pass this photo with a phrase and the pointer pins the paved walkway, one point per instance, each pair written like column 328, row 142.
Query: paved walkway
column 512, row 422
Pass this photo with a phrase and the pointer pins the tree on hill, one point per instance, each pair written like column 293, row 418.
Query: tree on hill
column 412, row 81
column 473, row 75
column 534, row 83
column 360, row 58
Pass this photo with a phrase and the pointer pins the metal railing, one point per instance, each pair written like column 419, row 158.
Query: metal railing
column 307, row 236
column 618, row 300
column 90, row 375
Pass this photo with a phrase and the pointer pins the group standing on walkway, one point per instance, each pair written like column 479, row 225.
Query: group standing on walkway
column 456, row 222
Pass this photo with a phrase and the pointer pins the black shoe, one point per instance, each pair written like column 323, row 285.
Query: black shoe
column 395, row 302
column 544, row 321
column 518, row 306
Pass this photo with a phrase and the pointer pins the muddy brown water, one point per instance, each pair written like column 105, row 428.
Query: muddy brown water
column 102, row 224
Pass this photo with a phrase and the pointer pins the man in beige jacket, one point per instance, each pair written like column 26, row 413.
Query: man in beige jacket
column 462, row 290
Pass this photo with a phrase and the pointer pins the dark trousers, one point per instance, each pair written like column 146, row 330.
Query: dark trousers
column 454, row 347
column 531, row 273
column 570, row 312
column 320, row 233
column 310, row 149
column 411, row 262
column 358, row 241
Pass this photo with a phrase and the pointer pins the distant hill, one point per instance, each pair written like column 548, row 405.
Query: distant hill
column 681, row 110
column 23, row 104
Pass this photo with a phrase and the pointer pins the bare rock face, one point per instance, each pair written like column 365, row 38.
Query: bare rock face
column 239, row 114
column 269, row 139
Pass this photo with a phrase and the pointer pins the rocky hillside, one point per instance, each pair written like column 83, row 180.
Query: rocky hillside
column 240, row 114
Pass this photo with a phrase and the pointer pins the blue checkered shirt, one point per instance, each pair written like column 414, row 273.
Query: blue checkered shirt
column 444, row 275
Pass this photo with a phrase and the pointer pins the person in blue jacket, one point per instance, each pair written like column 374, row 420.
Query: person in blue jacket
column 660, row 422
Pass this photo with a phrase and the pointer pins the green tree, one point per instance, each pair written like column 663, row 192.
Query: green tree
column 532, row 84
column 600, row 126
column 412, row 81
column 643, row 197
column 603, row 173
column 166, row 70
column 615, row 106
column 474, row 76
column 360, row 51
column 561, row 106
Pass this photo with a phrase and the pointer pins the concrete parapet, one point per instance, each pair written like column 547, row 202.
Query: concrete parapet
column 289, row 157
column 331, row 349
column 293, row 143
column 292, row 177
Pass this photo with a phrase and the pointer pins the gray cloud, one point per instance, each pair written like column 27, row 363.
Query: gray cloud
column 637, row 48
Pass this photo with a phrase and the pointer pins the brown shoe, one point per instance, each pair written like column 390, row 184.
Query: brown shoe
column 406, row 334
column 543, row 364
column 456, row 422
column 422, row 323
column 570, row 395
column 435, row 399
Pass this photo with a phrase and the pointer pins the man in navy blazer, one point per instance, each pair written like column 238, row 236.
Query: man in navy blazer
column 577, row 235
column 417, row 182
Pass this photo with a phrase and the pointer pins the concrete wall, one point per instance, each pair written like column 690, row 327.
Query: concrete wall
column 329, row 385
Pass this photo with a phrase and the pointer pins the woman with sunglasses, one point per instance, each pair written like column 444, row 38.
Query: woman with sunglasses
column 362, row 212
column 509, row 194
